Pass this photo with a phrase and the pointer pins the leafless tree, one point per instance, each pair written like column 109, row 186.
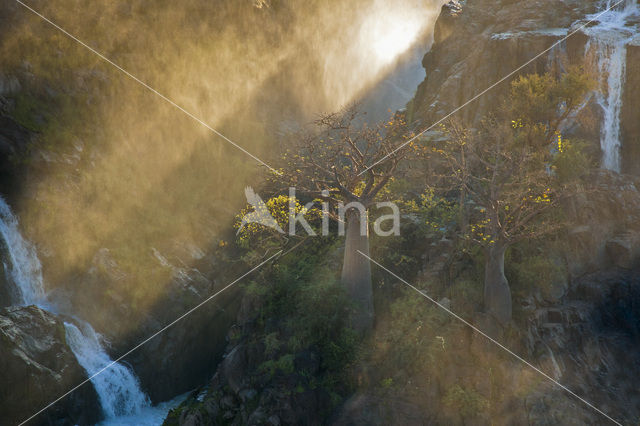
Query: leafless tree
column 504, row 172
column 345, row 161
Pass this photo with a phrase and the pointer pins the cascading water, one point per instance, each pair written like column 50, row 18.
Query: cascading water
column 117, row 387
column 608, row 39
column 24, row 269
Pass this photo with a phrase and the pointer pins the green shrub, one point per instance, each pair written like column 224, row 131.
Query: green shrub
column 271, row 343
column 304, row 309
column 28, row 112
column 533, row 272
column 283, row 364
column 572, row 160
column 416, row 325
column 466, row 296
column 435, row 213
column 466, row 402
column 386, row 383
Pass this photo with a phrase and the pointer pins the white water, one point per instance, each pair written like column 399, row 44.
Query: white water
column 608, row 41
column 117, row 387
column 148, row 416
column 24, row 269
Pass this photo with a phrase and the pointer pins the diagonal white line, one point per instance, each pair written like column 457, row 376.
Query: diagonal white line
column 152, row 336
column 492, row 86
column 458, row 317
column 145, row 85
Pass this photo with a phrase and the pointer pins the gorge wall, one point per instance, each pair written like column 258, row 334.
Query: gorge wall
column 478, row 42
column 87, row 169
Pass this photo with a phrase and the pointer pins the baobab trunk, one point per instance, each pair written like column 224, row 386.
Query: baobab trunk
column 497, row 295
column 356, row 270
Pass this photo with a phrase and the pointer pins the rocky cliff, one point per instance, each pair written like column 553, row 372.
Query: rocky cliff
column 37, row 367
column 583, row 330
column 478, row 42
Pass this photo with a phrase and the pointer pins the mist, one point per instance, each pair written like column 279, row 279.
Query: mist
column 117, row 167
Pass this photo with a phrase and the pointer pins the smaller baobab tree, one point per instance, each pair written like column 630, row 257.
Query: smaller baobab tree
column 346, row 163
column 505, row 176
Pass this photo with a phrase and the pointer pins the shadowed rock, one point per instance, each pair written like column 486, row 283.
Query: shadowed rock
column 37, row 367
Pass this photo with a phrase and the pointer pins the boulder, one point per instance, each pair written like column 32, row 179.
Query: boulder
column 595, row 241
column 36, row 367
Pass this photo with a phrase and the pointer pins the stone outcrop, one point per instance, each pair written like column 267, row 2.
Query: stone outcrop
column 7, row 291
column 176, row 360
column 37, row 367
column 179, row 358
column 623, row 250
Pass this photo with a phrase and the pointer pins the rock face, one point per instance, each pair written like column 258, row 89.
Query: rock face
column 7, row 292
column 605, row 228
column 479, row 42
column 184, row 354
column 253, row 385
column 590, row 342
column 13, row 144
column 365, row 409
column 630, row 124
column 36, row 367
column 192, row 348
column 176, row 360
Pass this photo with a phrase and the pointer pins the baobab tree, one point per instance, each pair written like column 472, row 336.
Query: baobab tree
column 504, row 170
column 344, row 162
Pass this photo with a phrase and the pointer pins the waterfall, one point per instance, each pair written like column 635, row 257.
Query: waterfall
column 24, row 268
column 612, row 64
column 607, row 42
column 117, row 388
